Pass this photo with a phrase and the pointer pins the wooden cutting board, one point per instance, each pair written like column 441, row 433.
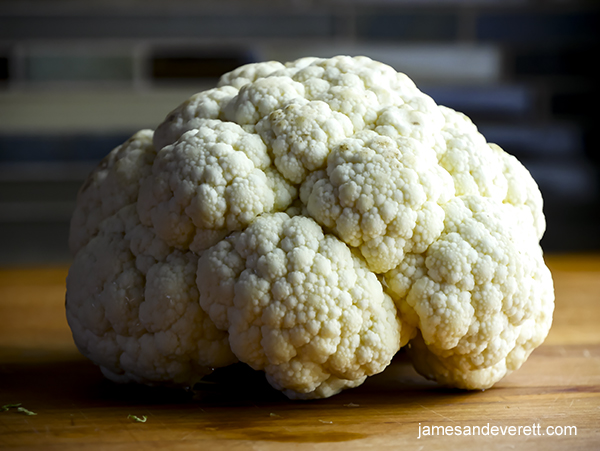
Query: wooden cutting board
column 556, row 391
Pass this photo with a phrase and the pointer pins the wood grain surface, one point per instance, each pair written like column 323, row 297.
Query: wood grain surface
column 76, row 408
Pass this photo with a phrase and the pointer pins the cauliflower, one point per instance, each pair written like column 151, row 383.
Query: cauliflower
column 309, row 219
column 299, row 305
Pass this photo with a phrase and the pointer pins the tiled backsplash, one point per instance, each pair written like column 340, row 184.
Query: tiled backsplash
column 77, row 78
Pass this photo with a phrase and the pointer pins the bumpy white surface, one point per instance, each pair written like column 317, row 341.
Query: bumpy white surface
column 298, row 305
column 309, row 219
column 113, row 185
column 132, row 305
column 213, row 180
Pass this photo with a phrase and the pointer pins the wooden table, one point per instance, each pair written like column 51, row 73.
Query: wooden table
column 558, row 387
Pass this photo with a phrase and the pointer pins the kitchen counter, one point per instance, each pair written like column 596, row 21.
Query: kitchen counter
column 557, row 389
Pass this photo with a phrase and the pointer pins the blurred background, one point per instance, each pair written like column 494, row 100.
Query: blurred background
column 78, row 78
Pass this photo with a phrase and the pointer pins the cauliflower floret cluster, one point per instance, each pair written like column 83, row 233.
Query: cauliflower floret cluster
column 309, row 219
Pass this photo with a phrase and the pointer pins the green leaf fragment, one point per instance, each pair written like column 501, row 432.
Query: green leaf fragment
column 17, row 406
column 24, row 411
column 138, row 419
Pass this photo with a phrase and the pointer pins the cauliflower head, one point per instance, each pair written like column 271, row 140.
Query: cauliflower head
column 309, row 219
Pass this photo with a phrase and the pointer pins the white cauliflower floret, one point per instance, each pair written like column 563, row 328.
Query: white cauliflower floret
column 474, row 167
column 308, row 219
column 190, row 114
column 380, row 195
column 484, row 169
column 141, row 322
column 480, row 296
column 257, row 100
column 249, row 73
column 523, row 194
column 213, row 180
column 420, row 119
column 111, row 186
column 298, row 305
column 301, row 136
column 356, row 87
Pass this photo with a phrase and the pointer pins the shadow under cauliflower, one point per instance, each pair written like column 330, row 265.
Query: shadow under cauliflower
column 309, row 219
